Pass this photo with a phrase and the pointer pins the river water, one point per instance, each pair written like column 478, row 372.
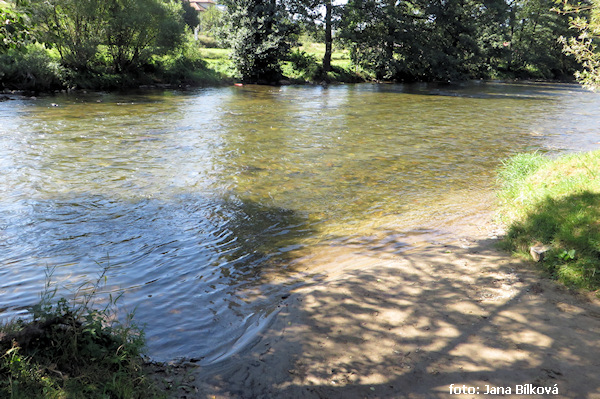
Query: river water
column 197, row 203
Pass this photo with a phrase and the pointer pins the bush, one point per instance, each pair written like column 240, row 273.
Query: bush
column 72, row 349
column 258, row 33
column 305, row 66
column 187, row 67
column 34, row 69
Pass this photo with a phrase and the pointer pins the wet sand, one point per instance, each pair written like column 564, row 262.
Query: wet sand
column 458, row 316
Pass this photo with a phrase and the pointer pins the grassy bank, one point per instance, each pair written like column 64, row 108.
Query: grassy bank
column 555, row 203
column 72, row 349
column 39, row 69
column 304, row 65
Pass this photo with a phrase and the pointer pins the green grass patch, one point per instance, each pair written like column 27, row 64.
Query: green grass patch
column 187, row 67
column 215, row 53
column 72, row 349
column 555, row 202
column 303, row 66
column 218, row 60
column 318, row 50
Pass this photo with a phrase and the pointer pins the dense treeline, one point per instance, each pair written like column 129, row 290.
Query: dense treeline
column 114, row 43
column 427, row 39
column 56, row 44
column 457, row 39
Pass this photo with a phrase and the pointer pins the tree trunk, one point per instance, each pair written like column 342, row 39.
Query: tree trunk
column 328, row 37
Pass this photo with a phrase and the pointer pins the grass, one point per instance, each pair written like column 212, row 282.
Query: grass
column 72, row 349
column 39, row 69
column 304, row 64
column 339, row 57
column 555, row 202
column 217, row 59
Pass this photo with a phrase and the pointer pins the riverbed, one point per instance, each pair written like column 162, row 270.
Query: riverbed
column 200, row 205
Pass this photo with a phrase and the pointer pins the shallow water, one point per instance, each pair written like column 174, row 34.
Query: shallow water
column 198, row 202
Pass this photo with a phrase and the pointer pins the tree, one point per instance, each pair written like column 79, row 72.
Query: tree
column 211, row 20
column 372, row 29
column 319, row 12
column 131, row 30
column 455, row 39
column 493, row 38
column 137, row 29
column 535, row 27
column 190, row 15
column 586, row 19
column 257, row 33
column 76, row 28
column 14, row 28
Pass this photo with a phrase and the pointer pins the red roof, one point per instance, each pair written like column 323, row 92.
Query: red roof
column 202, row 5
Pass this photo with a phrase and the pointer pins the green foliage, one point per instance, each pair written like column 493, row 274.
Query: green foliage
column 75, row 28
column 104, row 45
column 131, row 31
column 318, row 17
column 14, row 29
column 207, row 41
column 586, row 19
column 72, row 349
column 305, row 66
column 137, row 29
column 452, row 40
column 535, row 50
column 210, row 21
column 555, row 203
column 115, row 43
column 371, row 32
column 567, row 255
column 187, row 66
column 258, row 35
column 33, row 68
column 190, row 15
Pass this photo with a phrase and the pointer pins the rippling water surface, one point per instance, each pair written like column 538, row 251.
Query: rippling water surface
column 197, row 202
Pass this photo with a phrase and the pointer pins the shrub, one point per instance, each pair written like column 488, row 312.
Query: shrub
column 34, row 69
column 305, row 65
column 72, row 349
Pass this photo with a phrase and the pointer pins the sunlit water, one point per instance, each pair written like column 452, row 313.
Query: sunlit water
column 198, row 202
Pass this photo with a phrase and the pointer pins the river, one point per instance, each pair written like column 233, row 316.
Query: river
column 196, row 203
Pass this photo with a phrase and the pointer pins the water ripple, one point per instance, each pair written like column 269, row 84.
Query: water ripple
column 198, row 203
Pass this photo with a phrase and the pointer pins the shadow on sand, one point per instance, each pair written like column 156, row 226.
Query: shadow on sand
column 376, row 324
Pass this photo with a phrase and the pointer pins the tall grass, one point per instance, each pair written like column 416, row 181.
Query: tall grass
column 72, row 349
column 555, row 202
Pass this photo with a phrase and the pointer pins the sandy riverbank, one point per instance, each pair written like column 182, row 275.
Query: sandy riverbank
column 383, row 324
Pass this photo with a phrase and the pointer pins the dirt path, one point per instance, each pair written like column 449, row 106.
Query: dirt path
column 383, row 324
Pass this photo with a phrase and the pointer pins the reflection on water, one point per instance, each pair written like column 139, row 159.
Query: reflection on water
column 199, row 201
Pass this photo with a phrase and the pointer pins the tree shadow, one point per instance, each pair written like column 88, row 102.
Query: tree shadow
column 213, row 265
column 482, row 90
column 410, row 325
